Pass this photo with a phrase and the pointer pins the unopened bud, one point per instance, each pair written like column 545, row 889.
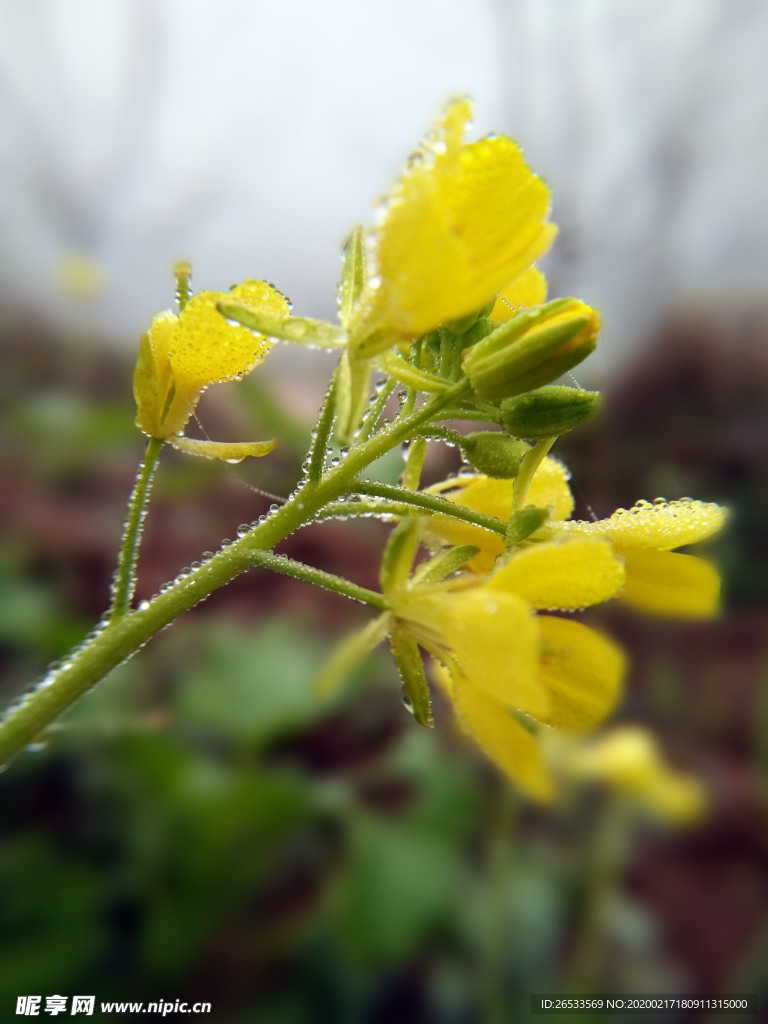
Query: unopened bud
column 548, row 411
column 533, row 348
column 494, row 454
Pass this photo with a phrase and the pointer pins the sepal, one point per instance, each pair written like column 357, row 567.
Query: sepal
column 289, row 328
column 407, row 657
column 353, row 275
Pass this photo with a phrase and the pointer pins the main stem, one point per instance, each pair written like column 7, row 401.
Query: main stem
column 123, row 636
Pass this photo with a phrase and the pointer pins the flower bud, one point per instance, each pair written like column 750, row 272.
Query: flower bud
column 494, row 454
column 548, row 411
column 533, row 348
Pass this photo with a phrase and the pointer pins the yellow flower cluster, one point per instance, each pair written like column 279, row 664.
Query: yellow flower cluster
column 181, row 355
column 658, row 579
column 500, row 659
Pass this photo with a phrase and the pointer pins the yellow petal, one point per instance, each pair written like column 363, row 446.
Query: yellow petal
column 461, row 223
column 507, row 742
column 207, row 348
column 234, row 451
column 528, row 289
column 566, row 575
column 152, row 376
column 502, row 738
column 661, row 524
column 581, row 669
column 669, row 583
column 483, row 494
column 549, row 488
column 490, row 639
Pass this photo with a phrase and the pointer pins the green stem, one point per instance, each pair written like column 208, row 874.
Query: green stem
column 529, row 463
column 347, row 509
column 123, row 636
column 300, row 571
column 430, row 502
column 414, row 464
column 124, row 582
column 368, row 425
column 473, row 415
column 322, row 433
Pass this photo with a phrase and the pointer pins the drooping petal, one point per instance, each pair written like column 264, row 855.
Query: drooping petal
column 490, row 639
column 501, row 737
column 460, row 224
column 566, row 576
column 662, row 524
column 668, row 583
column 581, row 669
column 528, row 289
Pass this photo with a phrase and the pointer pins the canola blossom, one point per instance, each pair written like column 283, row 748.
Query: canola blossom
column 658, row 579
column 181, row 355
column 461, row 224
column 498, row 657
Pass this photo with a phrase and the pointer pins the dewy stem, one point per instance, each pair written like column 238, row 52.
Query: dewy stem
column 431, row 503
column 123, row 636
column 124, row 582
column 308, row 573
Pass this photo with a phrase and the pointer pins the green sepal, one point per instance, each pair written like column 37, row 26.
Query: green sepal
column 152, row 393
column 407, row 657
column 353, row 392
column 464, row 323
column 525, row 522
column 353, row 274
column 289, row 328
column 482, row 328
column 398, row 555
column 405, row 373
column 444, row 563
column 493, row 453
column 351, row 650
column 548, row 411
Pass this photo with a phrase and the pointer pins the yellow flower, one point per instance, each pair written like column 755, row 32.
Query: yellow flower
column 181, row 355
column 463, row 222
column 500, row 659
column 658, row 579
column 627, row 759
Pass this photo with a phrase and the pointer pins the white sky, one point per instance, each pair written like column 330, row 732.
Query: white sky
column 249, row 137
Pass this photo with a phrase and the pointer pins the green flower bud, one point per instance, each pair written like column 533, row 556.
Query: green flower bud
column 494, row 454
column 533, row 348
column 548, row 411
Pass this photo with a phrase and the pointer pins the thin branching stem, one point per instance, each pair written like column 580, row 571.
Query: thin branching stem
column 124, row 582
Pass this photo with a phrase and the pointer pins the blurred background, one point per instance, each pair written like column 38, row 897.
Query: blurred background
column 203, row 827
